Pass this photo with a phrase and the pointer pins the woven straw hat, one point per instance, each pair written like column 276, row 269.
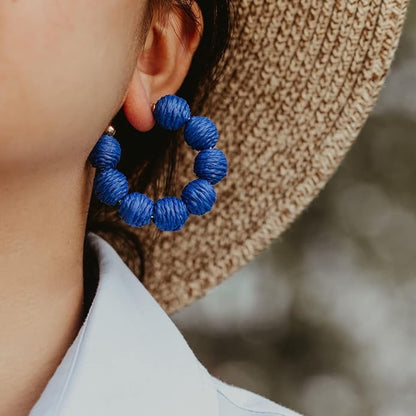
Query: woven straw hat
column 300, row 79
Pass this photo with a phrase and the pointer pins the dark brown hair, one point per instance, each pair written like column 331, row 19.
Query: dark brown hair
column 149, row 159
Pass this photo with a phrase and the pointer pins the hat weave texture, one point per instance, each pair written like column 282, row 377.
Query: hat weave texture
column 300, row 78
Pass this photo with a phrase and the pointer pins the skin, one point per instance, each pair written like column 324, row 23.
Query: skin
column 66, row 68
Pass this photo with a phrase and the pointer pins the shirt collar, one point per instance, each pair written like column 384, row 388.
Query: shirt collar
column 128, row 357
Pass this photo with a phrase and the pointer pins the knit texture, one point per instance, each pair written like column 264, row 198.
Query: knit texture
column 300, row 79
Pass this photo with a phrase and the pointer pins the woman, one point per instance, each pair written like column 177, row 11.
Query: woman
column 81, row 335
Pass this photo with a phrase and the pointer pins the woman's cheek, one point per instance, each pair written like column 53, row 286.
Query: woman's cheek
column 64, row 68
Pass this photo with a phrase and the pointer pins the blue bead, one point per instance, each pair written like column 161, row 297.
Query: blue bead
column 172, row 112
column 106, row 153
column 199, row 196
column 211, row 165
column 110, row 186
column 200, row 133
column 170, row 214
column 136, row 209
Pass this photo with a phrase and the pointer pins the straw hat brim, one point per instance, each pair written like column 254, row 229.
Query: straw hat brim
column 300, row 79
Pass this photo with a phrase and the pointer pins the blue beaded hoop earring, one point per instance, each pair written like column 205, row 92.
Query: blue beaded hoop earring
column 169, row 213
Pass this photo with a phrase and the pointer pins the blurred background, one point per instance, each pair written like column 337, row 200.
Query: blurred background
column 324, row 321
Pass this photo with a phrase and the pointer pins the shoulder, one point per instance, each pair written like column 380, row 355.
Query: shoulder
column 235, row 401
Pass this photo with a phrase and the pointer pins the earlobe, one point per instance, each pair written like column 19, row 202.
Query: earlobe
column 162, row 65
column 138, row 105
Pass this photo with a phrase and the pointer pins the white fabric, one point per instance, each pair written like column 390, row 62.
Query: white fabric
column 130, row 359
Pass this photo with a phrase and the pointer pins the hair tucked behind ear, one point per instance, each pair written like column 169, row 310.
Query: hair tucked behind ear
column 149, row 159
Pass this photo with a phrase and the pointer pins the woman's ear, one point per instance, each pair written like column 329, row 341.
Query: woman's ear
column 163, row 64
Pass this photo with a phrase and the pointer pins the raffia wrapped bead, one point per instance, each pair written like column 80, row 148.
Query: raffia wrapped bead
column 106, row 153
column 111, row 186
column 172, row 112
column 136, row 209
column 199, row 196
column 170, row 213
column 200, row 133
column 211, row 165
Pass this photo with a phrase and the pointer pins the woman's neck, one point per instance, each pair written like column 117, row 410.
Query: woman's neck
column 42, row 230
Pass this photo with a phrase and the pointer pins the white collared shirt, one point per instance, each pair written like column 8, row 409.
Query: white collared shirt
column 130, row 359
